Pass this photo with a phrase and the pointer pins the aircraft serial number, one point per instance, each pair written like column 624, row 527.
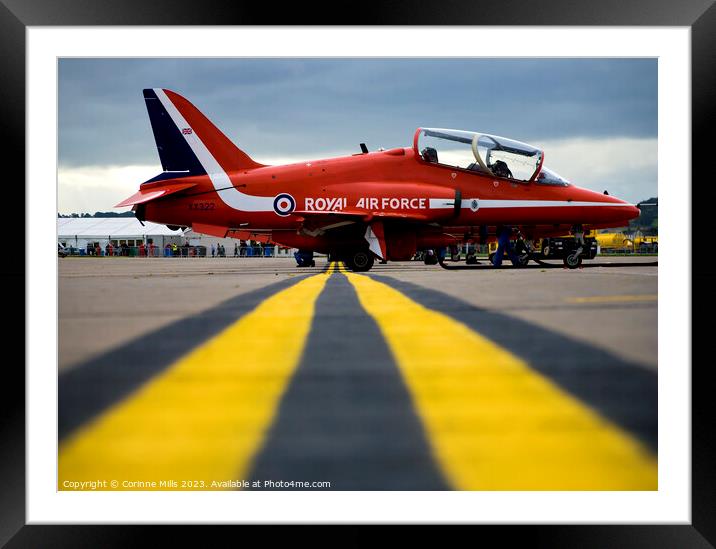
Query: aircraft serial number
column 202, row 206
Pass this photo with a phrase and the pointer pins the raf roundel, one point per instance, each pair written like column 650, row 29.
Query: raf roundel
column 284, row 204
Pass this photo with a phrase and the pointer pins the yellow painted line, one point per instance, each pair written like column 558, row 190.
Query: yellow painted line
column 614, row 298
column 204, row 418
column 493, row 422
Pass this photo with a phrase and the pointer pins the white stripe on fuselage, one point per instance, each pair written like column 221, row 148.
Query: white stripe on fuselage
column 231, row 196
column 446, row 203
column 443, row 203
column 536, row 203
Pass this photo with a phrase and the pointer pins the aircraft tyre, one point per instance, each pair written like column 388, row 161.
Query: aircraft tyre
column 360, row 261
column 573, row 260
column 430, row 258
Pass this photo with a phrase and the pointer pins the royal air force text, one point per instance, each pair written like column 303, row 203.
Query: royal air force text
column 369, row 203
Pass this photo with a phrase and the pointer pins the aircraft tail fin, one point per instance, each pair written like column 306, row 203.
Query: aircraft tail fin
column 187, row 141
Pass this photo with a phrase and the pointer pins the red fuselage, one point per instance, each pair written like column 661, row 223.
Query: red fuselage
column 396, row 186
column 390, row 202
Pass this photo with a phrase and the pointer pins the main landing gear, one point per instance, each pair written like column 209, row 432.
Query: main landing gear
column 433, row 256
column 359, row 261
column 430, row 257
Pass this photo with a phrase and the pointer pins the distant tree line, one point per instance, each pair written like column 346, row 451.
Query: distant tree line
column 99, row 214
column 648, row 220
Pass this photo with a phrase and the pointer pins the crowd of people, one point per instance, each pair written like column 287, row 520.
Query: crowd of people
column 242, row 248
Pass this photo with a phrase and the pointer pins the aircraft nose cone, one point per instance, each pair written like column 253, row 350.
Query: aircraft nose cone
column 633, row 211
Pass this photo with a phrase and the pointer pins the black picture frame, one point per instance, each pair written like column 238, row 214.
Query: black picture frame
column 699, row 15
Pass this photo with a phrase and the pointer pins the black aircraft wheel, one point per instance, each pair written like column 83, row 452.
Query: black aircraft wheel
column 573, row 260
column 360, row 261
column 430, row 259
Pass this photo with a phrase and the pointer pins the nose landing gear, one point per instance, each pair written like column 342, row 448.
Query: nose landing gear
column 574, row 259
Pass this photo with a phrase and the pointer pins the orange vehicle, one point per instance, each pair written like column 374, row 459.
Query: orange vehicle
column 447, row 187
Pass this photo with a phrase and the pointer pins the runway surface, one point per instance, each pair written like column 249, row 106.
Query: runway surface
column 253, row 374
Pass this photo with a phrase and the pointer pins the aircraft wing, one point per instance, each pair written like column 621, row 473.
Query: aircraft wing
column 228, row 232
column 316, row 223
column 264, row 237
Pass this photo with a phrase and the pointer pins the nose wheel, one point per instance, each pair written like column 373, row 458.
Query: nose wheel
column 573, row 260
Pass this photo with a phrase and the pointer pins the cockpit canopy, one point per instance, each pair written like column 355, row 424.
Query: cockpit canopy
column 490, row 154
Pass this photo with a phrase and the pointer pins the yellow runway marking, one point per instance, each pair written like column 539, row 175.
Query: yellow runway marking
column 205, row 417
column 613, row 298
column 493, row 422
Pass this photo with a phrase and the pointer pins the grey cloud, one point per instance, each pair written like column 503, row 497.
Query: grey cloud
column 274, row 107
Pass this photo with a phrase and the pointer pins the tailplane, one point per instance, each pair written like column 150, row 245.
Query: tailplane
column 187, row 142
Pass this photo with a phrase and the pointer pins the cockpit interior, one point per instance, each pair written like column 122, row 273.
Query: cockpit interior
column 488, row 154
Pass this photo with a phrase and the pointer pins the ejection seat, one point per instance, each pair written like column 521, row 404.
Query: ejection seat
column 475, row 167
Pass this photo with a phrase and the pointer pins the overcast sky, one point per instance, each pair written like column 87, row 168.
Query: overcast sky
column 595, row 118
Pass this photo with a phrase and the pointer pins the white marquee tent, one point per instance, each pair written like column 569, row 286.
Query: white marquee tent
column 78, row 232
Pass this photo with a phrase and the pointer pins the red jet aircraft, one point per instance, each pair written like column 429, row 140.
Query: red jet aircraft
column 449, row 187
